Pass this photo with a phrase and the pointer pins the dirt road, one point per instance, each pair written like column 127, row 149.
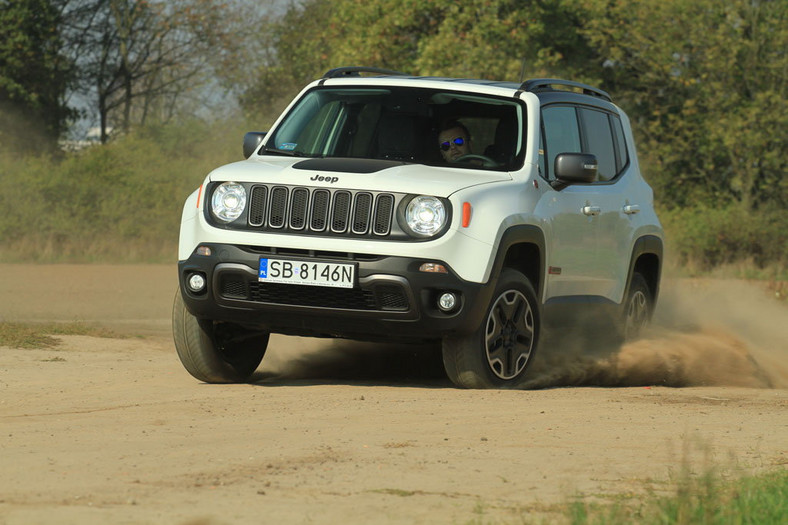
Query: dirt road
column 115, row 431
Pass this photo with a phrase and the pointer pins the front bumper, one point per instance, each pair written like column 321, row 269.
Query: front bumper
column 391, row 299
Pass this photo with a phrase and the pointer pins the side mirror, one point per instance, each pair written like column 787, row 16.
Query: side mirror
column 252, row 141
column 576, row 167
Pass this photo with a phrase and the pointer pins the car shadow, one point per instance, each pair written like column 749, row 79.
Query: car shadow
column 355, row 363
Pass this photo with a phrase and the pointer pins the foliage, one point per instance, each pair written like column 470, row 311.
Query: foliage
column 703, row 81
column 706, row 236
column 36, row 336
column 704, row 499
column 706, row 83
column 34, row 74
column 121, row 201
column 289, row 60
column 137, row 60
column 16, row 335
column 473, row 38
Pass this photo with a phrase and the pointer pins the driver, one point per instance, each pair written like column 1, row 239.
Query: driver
column 454, row 141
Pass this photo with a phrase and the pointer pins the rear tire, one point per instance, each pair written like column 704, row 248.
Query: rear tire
column 216, row 352
column 638, row 308
column 497, row 354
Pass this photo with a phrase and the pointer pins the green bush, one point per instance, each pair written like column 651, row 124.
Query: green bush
column 704, row 237
column 120, row 202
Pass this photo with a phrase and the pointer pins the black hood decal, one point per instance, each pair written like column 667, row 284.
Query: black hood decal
column 348, row 165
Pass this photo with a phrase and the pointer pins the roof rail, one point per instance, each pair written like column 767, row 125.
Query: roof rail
column 545, row 84
column 353, row 71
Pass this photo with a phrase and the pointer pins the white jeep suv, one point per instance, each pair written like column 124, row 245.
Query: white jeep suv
column 390, row 207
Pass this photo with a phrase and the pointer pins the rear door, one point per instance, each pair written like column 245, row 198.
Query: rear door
column 602, row 136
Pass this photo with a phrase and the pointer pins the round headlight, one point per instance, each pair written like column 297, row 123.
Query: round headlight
column 228, row 201
column 425, row 215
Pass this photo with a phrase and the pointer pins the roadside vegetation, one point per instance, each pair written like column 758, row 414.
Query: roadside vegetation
column 686, row 498
column 704, row 500
column 120, row 202
column 703, row 81
column 32, row 336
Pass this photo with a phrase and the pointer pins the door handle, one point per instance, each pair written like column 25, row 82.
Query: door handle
column 631, row 209
column 591, row 210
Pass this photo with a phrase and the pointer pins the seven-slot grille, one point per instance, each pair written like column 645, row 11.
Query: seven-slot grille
column 321, row 210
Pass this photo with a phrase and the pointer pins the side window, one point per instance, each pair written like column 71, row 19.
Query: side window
column 561, row 134
column 599, row 140
column 622, row 156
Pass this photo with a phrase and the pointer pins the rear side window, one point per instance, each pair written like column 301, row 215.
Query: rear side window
column 622, row 156
column 599, row 141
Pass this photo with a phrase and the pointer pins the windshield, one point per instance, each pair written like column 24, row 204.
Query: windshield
column 425, row 126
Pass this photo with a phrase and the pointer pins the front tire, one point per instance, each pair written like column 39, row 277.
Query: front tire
column 215, row 352
column 497, row 354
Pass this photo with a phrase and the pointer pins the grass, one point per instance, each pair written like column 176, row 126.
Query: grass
column 115, row 203
column 39, row 336
column 707, row 499
column 708, row 494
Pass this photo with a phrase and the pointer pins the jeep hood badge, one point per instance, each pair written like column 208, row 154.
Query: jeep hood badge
column 321, row 178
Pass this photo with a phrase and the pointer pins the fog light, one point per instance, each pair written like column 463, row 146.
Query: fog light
column 447, row 301
column 196, row 282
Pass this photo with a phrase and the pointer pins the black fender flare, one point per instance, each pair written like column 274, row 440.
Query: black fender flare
column 646, row 245
column 520, row 234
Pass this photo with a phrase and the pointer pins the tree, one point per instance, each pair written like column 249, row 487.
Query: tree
column 138, row 59
column 470, row 38
column 34, row 74
column 286, row 60
column 706, row 82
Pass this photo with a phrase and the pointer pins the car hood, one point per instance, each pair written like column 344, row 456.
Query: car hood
column 347, row 173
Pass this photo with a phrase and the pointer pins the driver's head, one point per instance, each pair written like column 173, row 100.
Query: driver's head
column 454, row 141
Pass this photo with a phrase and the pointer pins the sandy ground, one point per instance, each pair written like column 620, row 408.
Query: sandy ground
column 115, row 431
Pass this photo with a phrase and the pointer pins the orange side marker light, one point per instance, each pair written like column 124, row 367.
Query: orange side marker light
column 466, row 214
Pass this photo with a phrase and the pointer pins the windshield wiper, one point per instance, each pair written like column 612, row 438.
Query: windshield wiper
column 274, row 151
column 290, row 153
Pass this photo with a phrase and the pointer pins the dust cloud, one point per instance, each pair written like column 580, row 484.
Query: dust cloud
column 704, row 333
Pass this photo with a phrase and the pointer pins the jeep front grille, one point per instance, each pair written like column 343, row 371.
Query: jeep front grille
column 321, row 210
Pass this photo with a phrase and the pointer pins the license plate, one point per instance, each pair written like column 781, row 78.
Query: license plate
column 288, row 271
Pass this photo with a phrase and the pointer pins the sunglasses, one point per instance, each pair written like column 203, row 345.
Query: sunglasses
column 459, row 141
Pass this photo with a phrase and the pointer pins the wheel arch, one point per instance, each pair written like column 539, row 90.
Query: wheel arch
column 522, row 248
column 646, row 260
